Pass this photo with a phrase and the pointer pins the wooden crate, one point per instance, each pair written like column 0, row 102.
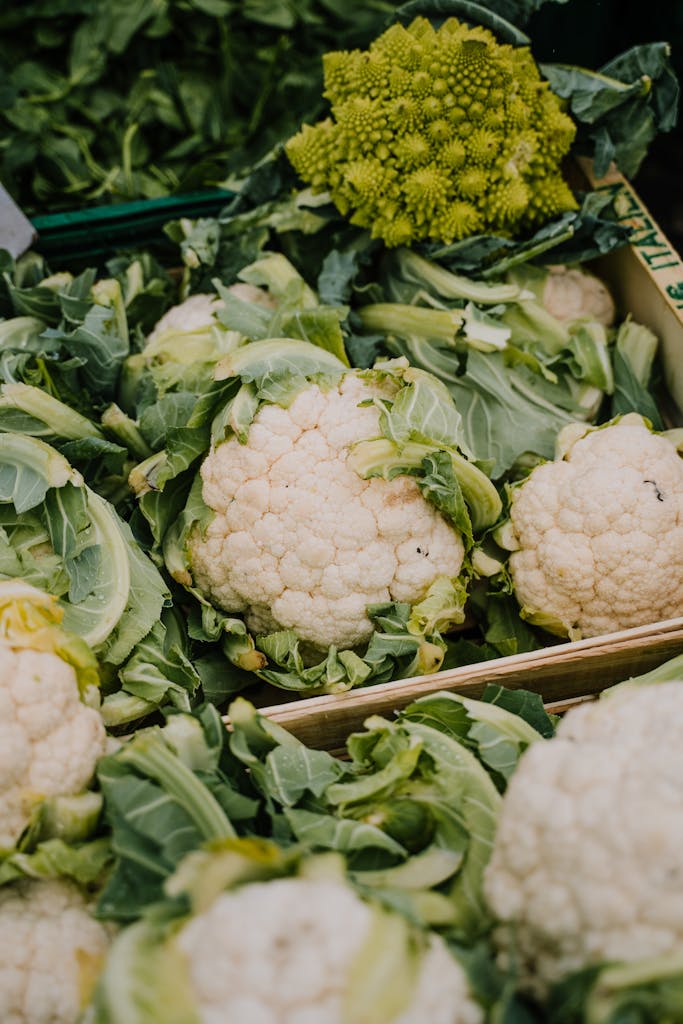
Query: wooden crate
column 646, row 278
column 560, row 674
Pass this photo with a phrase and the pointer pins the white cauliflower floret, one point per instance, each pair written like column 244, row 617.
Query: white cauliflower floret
column 598, row 536
column 573, row 293
column 193, row 314
column 251, row 293
column 299, row 541
column 198, row 311
column 587, row 864
column 285, row 949
column 49, row 740
column 51, row 951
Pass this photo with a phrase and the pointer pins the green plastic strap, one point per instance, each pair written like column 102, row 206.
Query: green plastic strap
column 101, row 231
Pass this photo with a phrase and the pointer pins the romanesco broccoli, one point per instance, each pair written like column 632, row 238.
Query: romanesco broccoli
column 438, row 134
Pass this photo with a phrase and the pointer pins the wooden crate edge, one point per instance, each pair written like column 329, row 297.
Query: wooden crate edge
column 326, row 722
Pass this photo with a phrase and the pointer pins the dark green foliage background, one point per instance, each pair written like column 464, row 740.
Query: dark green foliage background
column 592, row 32
column 113, row 100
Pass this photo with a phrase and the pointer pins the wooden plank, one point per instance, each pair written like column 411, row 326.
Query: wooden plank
column 562, row 673
column 646, row 276
column 560, row 707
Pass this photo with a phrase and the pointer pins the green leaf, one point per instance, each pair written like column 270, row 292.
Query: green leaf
column 336, row 276
column 489, row 395
column 97, row 614
column 622, row 106
column 86, row 863
column 496, row 734
column 649, row 989
column 320, row 327
column 668, row 671
column 167, row 791
column 158, row 671
column 384, row 972
column 336, row 672
column 503, row 626
column 423, row 411
column 467, row 11
column 426, row 869
column 145, row 976
column 524, row 703
column 147, row 595
column 292, row 771
column 440, row 486
column 322, row 831
column 382, row 457
column 28, row 469
column 478, row 802
column 278, row 357
column 98, row 342
column 26, row 409
column 590, row 357
column 634, row 352
column 36, row 302
column 111, row 592
column 68, row 524
column 217, row 8
column 378, row 785
column 573, row 237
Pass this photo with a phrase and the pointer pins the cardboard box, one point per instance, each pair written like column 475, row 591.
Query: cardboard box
column 646, row 278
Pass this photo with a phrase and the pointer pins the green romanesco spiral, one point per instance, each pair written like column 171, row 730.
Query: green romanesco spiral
column 438, row 134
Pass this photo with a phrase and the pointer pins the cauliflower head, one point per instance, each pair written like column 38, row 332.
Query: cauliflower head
column 198, row 311
column 438, row 134
column 287, row 948
column 50, row 740
column 51, row 951
column 181, row 349
column 573, row 293
column 193, row 314
column 185, row 344
column 588, row 852
column 298, row 540
column 597, row 536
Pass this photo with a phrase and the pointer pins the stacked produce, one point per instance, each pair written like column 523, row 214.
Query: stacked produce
column 470, row 860
column 188, row 91
column 383, row 417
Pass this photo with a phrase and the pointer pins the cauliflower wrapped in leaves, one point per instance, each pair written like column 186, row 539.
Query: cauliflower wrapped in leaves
column 299, row 540
column 51, row 735
column 587, row 858
column 279, row 950
column 572, row 292
column 597, row 535
column 185, row 343
column 51, row 952
column 307, row 921
column 329, row 497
